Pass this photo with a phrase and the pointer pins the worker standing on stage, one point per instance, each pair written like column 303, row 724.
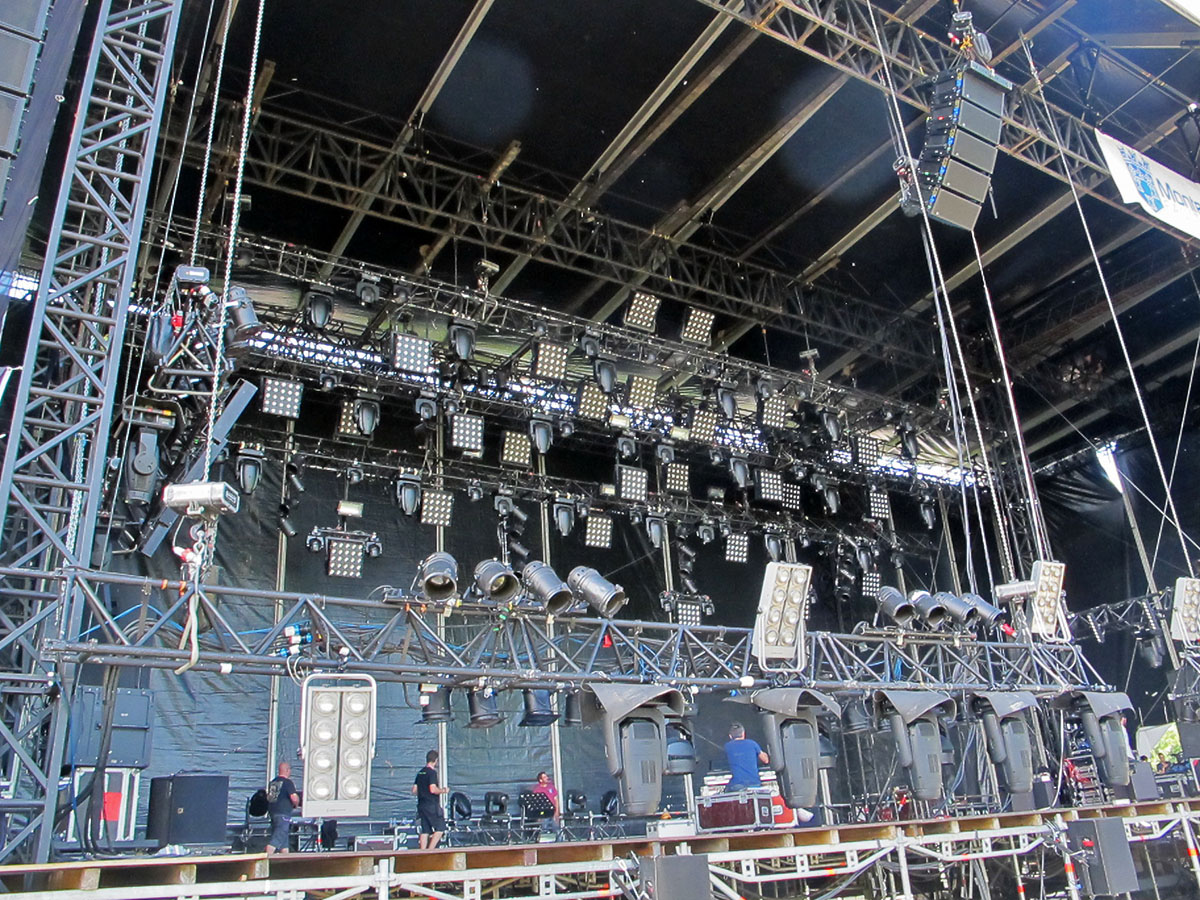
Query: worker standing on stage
column 431, row 824
column 546, row 788
column 282, row 799
column 743, row 755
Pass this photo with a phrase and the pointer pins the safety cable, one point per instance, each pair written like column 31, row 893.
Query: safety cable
column 1120, row 333
column 212, row 128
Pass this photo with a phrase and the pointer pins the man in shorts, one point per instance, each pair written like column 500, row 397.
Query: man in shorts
column 431, row 824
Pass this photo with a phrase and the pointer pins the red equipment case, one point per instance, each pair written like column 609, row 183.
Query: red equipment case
column 740, row 810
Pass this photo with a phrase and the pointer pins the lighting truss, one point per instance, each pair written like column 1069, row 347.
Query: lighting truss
column 737, row 548
column 773, row 411
column 770, row 485
column 642, row 311
column 598, row 530
column 281, row 397
column 1185, row 610
column 550, row 361
column 592, row 403
column 704, row 425
column 632, row 483
column 517, row 450
column 782, row 614
column 697, row 327
column 793, row 496
column 642, row 391
column 466, row 434
column 411, row 353
column 675, row 477
column 437, row 508
column 1047, row 616
column 879, row 504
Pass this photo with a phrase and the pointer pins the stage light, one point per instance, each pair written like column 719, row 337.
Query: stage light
column 315, row 542
column 281, row 397
column 544, row 586
column 832, row 424
column 833, row 500
column 675, row 475
column 737, row 548
column 541, row 433
column 664, row 453
column 294, row 484
column 337, row 731
column 591, row 402
column 349, row 509
column 366, row 415
column 773, row 542
column 437, row 577
column 435, row 704
column 656, row 529
column 773, row 411
column 641, row 391
column 347, row 425
column 1185, row 610
column 563, row 511
column 466, row 434
column 408, row 491
column 285, row 522
column 782, row 614
column 354, row 474
column 318, row 309
column 626, row 447
column 1048, row 615
column 704, row 425
column 991, row 616
column 739, row 468
column 482, row 708
column 793, row 497
column 437, row 508
column 411, row 353
column 550, row 361
column 345, row 557
column 461, row 335
column 328, row 381
column 866, row 450
column 496, row 581
column 697, row 327
column 642, row 311
column 907, row 432
column 601, row 594
column 539, row 709
column 632, row 483
column 706, row 532
column 727, row 399
column 960, row 609
column 598, row 531
column 872, row 583
column 929, row 609
column 516, row 450
column 865, row 555
column 242, row 322
column 769, row 484
column 367, row 291
column 250, row 461
column 928, row 510
column 604, row 368
column 474, row 491
column 679, row 433
column 879, row 505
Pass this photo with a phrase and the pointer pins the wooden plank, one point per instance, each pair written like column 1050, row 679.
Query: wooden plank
column 319, row 865
column 569, row 852
column 236, row 868
column 761, row 840
column 169, row 872
column 74, row 879
column 500, row 857
column 430, row 861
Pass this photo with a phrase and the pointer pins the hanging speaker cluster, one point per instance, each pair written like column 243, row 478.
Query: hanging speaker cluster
column 954, row 170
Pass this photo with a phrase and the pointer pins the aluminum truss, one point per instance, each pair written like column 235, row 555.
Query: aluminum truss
column 59, row 440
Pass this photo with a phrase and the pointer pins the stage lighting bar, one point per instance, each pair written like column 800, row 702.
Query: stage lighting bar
column 642, row 311
column 704, row 426
column 793, row 496
column 344, row 557
column 642, row 391
column 773, row 411
column 598, row 531
column 550, row 361
column 675, row 477
column 697, row 327
column 737, row 548
column 770, row 485
column 632, row 483
column 516, row 450
column 437, row 508
column 1185, row 610
column 592, row 403
column 281, row 397
column 1047, row 615
column 782, row 613
column 411, row 353
column 466, row 434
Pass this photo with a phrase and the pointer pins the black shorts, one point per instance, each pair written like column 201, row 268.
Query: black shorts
column 430, row 819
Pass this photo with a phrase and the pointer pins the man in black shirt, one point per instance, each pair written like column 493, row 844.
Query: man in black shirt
column 430, row 821
column 282, row 799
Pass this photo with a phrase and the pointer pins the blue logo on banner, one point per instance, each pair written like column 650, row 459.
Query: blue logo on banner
column 1139, row 170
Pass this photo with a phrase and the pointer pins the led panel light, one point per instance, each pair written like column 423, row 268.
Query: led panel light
column 1185, row 610
column 779, row 625
column 866, row 451
column 872, row 582
column 675, row 477
column 689, row 613
column 697, row 327
column 437, row 508
column 704, row 426
column 773, row 412
column 411, row 353
column 737, row 548
column 770, row 485
column 347, row 421
column 598, row 531
column 466, row 433
column 516, row 450
column 337, row 735
column 344, row 558
column 793, row 496
column 591, row 402
column 281, row 397
column 1047, row 616
column 879, row 505
column 642, row 391
column 642, row 311
column 550, row 361
column 632, row 483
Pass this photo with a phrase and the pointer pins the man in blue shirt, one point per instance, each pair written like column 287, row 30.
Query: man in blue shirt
column 744, row 755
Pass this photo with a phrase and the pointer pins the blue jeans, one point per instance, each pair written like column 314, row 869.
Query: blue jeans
column 280, row 831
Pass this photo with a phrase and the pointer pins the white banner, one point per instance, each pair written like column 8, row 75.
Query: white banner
column 1162, row 192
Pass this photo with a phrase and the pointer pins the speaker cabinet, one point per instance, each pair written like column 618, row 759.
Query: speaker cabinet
column 188, row 809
